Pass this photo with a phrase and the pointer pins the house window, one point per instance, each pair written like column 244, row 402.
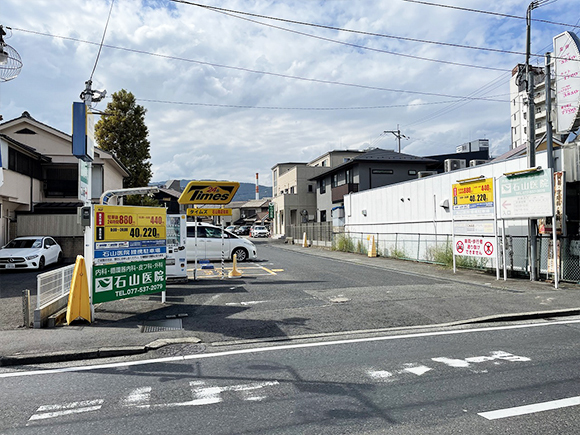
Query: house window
column 292, row 190
column 310, row 188
column 525, row 115
column 322, row 215
column 23, row 164
column 323, row 186
column 61, row 182
column 335, row 180
column 382, row 171
column 348, row 176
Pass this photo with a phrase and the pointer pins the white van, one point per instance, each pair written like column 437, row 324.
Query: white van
column 209, row 244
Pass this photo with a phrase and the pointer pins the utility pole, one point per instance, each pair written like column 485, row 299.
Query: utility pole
column 531, row 146
column 398, row 135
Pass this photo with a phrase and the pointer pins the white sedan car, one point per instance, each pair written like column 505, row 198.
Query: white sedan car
column 31, row 252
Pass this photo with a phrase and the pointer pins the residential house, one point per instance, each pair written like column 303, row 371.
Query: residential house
column 41, row 178
column 294, row 192
column 371, row 169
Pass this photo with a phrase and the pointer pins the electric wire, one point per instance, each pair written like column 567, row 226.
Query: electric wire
column 102, row 40
column 268, row 73
column 361, row 46
column 380, row 35
column 491, row 13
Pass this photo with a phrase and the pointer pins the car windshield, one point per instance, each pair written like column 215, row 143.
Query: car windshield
column 24, row 243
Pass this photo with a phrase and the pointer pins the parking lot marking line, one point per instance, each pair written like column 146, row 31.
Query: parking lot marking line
column 271, row 272
column 530, row 409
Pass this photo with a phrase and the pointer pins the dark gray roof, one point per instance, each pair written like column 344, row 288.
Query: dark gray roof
column 25, row 147
column 377, row 155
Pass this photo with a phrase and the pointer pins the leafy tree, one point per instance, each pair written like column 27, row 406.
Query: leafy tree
column 122, row 131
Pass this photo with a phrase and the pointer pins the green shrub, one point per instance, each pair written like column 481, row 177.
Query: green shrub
column 343, row 243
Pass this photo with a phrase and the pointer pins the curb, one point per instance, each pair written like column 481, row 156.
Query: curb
column 109, row 352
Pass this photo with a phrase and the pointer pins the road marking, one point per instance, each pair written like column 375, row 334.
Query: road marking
column 245, row 303
column 139, row 397
column 281, row 347
column 271, row 272
column 380, row 374
column 530, row 409
column 204, row 395
column 497, row 355
column 416, row 369
column 66, row 409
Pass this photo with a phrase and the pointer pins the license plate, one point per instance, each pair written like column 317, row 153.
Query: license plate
column 10, row 266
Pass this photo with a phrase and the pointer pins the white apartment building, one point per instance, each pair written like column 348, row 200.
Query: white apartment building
column 519, row 107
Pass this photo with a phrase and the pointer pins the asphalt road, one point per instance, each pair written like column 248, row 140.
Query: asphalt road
column 517, row 379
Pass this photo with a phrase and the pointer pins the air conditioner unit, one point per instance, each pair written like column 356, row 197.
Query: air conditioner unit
column 453, row 164
column 423, row 174
column 477, row 162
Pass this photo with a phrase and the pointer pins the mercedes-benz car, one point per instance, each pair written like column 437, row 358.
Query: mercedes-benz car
column 31, row 252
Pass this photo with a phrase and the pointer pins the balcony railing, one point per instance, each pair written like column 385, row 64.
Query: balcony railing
column 338, row 192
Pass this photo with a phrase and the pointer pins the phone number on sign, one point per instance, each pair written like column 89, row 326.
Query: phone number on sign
column 134, row 291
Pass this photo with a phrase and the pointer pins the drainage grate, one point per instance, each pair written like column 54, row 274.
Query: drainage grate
column 161, row 325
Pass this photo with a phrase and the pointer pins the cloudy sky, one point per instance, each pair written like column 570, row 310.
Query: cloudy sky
column 232, row 92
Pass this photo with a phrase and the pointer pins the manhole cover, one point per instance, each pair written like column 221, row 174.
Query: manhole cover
column 161, row 325
column 181, row 349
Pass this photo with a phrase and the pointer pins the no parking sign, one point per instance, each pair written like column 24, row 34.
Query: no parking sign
column 474, row 246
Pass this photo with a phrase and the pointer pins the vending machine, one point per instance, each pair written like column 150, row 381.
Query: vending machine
column 176, row 262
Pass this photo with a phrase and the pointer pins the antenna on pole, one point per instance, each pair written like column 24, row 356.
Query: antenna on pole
column 10, row 62
column 398, row 135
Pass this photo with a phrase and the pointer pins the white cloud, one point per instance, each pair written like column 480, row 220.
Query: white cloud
column 208, row 141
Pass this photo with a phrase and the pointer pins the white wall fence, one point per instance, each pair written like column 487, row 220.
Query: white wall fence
column 437, row 248
column 52, row 289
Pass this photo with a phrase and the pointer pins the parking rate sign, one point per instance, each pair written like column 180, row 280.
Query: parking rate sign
column 473, row 199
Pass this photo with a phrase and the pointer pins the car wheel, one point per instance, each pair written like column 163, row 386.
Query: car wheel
column 41, row 263
column 240, row 253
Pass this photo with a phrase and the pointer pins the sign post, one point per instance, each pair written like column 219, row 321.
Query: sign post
column 474, row 231
column 129, row 251
column 527, row 194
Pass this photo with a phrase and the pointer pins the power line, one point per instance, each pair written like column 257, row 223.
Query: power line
column 238, row 106
column 286, row 76
column 102, row 40
column 361, row 46
column 380, row 35
column 490, row 13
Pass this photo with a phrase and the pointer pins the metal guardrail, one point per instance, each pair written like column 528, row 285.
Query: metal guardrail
column 53, row 285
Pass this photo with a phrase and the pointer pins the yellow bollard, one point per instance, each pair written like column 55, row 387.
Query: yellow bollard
column 372, row 246
column 79, row 304
column 304, row 241
column 235, row 273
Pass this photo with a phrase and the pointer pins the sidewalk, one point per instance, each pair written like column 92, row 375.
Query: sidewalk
column 471, row 296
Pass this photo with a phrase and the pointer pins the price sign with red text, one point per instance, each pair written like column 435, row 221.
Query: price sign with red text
column 473, row 199
column 121, row 223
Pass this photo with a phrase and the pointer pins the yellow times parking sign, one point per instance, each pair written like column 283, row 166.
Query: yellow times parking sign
column 209, row 192
column 124, row 223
